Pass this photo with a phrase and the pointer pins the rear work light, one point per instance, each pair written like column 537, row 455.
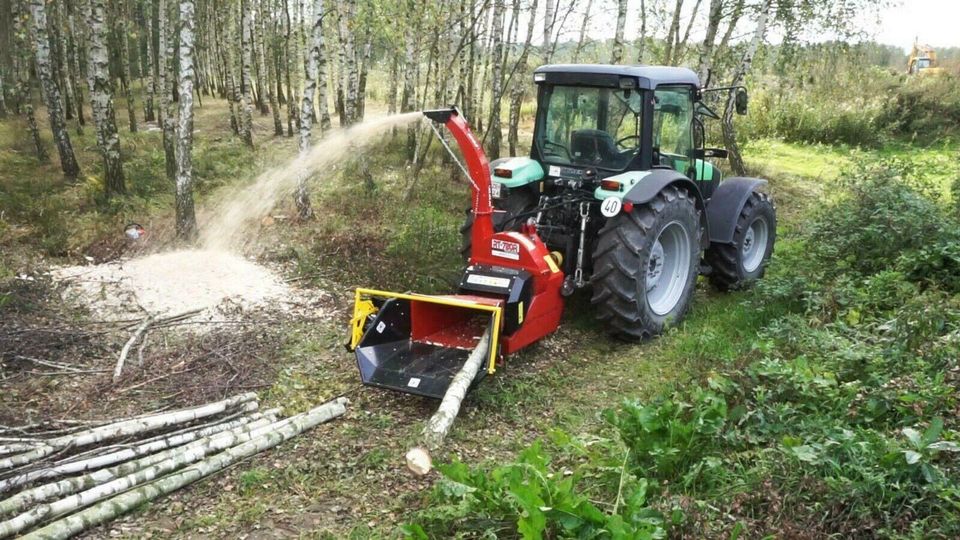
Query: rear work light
column 611, row 185
column 503, row 173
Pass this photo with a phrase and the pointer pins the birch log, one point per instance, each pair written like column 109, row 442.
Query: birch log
column 71, row 485
column 118, row 369
column 130, row 475
column 120, row 504
column 418, row 459
column 127, row 427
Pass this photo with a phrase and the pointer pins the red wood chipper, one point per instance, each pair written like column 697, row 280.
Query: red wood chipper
column 617, row 195
column 416, row 343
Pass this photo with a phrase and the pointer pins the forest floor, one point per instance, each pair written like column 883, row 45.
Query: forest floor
column 346, row 478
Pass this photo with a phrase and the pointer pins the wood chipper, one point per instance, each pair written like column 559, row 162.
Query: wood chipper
column 616, row 196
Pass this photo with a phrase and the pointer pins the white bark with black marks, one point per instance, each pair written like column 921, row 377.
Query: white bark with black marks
column 125, row 60
column 185, row 214
column 419, row 459
column 246, row 66
column 51, row 93
column 493, row 128
column 616, row 56
column 714, row 16
column 516, row 97
column 120, row 504
column 101, row 98
column 729, row 133
column 314, row 55
column 166, row 26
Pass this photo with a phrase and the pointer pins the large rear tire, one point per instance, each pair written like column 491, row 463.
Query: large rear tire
column 517, row 202
column 740, row 264
column 646, row 264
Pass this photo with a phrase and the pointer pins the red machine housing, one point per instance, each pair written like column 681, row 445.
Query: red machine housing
column 506, row 249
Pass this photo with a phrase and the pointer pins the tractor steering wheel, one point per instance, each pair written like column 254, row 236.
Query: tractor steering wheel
column 547, row 143
column 627, row 138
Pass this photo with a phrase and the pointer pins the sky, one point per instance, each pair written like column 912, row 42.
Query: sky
column 934, row 22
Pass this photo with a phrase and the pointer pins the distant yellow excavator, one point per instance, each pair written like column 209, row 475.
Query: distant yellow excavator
column 923, row 60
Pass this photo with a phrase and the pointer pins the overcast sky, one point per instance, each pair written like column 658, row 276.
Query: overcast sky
column 935, row 22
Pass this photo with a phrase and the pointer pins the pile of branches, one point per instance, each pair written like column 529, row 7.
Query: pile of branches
column 58, row 483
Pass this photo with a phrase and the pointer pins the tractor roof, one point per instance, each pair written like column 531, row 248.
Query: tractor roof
column 648, row 77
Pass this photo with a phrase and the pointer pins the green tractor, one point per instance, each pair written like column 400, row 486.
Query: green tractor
column 618, row 187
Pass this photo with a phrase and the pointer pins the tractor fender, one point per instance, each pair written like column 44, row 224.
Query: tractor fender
column 724, row 207
column 653, row 183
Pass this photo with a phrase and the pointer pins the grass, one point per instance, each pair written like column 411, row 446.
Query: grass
column 395, row 240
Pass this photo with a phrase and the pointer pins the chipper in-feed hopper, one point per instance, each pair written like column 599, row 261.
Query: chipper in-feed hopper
column 417, row 343
column 618, row 195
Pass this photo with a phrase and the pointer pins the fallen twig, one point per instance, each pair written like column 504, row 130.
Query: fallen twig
column 126, row 348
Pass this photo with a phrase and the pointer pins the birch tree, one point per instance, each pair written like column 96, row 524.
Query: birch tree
column 714, row 16
column 76, row 75
column 125, row 60
column 516, row 99
column 672, row 34
column 165, row 30
column 101, row 98
column 642, row 39
column 314, row 55
column 729, row 134
column 68, row 162
column 583, row 31
column 23, row 85
column 185, row 216
column 148, row 66
column 268, row 64
column 493, row 149
column 617, row 56
column 246, row 65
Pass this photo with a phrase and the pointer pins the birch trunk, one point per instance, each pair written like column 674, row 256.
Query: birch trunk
column 549, row 17
column 24, row 88
column 493, row 149
column 353, row 76
column 516, row 99
column 617, row 56
column 139, row 472
column 729, row 132
column 146, row 454
column 583, row 31
column 233, row 95
column 125, row 60
column 142, row 449
column 681, row 47
column 124, row 428
column 642, row 39
column 714, row 16
column 268, row 66
column 68, row 162
column 261, row 62
column 313, row 58
column 148, row 66
column 76, row 74
column 101, row 98
column 59, row 36
column 291, row 102
column 166, row 87
column 185, row 215
column 418, row 459
column 3, row 100
column 732, row 25
column 246, row 64
column 362, row 81
column 109, row 509
column 672, row 33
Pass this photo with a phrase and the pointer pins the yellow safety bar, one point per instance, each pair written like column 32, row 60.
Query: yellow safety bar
column 362, row 308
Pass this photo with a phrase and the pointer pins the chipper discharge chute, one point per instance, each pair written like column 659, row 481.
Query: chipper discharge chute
column 418, row 343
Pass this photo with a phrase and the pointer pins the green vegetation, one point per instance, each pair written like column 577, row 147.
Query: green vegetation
column 836, row 417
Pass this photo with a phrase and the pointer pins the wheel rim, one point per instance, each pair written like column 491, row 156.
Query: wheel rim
column 754, row 244
column 668, row 268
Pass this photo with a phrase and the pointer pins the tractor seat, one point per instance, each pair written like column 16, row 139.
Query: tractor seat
column 594, row 146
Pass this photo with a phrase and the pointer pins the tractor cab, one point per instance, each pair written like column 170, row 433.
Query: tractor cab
column 612, row 119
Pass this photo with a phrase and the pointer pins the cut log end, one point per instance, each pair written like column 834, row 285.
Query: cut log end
column 418, row 461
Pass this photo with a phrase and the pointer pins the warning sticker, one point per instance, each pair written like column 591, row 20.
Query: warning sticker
column 504, row 249
column 413, row 382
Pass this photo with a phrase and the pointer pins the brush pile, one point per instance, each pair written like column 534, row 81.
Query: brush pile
column 59, row 482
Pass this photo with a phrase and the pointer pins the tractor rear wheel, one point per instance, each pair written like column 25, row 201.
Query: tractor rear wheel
column 514, row 204
column 646, row 264
column 739, row 264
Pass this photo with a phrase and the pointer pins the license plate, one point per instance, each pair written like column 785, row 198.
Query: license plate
column 495, row 190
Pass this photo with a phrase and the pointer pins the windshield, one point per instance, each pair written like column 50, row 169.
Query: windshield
column 584, row 126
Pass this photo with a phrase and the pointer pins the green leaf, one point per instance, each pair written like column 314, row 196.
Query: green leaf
column 933, row 432
column 805, row 453
column 945, row 446
column 912, row 435
column 911, row 456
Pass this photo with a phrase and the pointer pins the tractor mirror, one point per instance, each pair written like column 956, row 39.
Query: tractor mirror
column 701, row 153
column 741, row 101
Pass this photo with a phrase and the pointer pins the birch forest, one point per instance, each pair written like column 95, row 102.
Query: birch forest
column 123, row 66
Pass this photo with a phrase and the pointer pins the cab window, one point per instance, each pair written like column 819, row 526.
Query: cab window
column 673, row 126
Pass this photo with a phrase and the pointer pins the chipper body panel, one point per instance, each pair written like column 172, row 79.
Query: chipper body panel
column 417, row 343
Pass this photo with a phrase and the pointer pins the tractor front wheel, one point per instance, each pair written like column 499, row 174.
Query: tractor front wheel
column 739, row 264
column 646, row 264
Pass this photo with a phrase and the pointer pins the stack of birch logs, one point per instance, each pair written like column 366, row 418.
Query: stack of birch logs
column 64, row 483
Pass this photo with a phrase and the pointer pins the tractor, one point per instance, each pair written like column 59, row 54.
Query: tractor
column 616, row 196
